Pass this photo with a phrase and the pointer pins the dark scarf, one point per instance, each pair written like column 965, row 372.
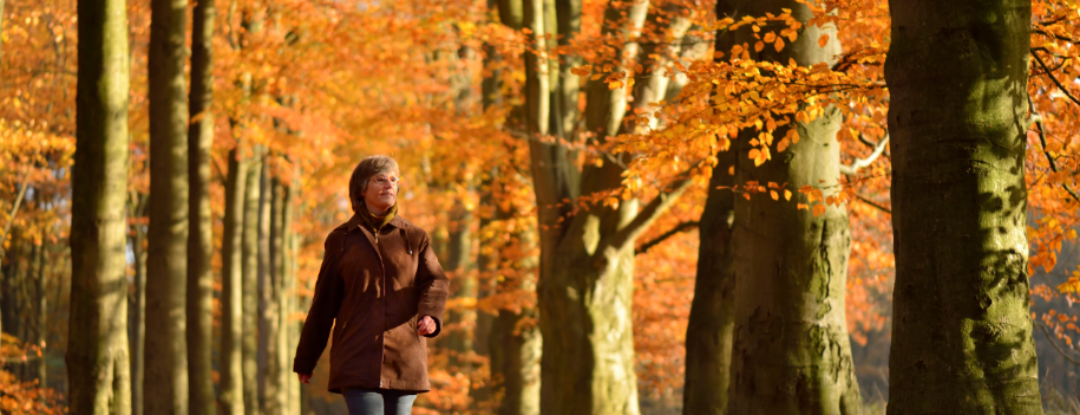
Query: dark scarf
column 375, row 222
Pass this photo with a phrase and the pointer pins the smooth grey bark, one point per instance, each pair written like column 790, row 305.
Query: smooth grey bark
column 588, row 354
column 491, row 96
column 273, row 392
column 565, row 103
column 97, row 352
column 962, row 341
column 200, row 278
column 41, row 315
column 137, row 307
column 232, row 382
column 267, row 311
column 791, row 353
column 166, row 382
column 249, row 316
column 711, row 325
column 281, row 255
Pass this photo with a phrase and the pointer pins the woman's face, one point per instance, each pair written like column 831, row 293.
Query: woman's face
column 381, row 193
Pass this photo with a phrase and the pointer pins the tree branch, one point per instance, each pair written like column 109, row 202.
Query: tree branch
column 663, row 237
column 1051, row 339
column 649, row 213
column 1049, row 158
column 873, row 204
column 1052, row 78
column 14, row 209
column 863, row 162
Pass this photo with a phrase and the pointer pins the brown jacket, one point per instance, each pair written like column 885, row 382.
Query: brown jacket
column 372, row 289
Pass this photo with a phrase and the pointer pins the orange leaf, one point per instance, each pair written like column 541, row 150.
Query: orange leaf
column 819, row 209
column 759, row 46
column 779, row 45
column 775, row 196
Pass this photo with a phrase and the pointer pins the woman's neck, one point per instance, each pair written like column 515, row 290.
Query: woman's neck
column 375, row 211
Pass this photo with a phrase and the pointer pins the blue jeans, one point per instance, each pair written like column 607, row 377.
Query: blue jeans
column 378, row 402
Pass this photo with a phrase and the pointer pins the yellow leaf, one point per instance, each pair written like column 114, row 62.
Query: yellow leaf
column 783, row 145
column 775, row 196
column 614, row 85
column 787, row 195
column 1070, row 286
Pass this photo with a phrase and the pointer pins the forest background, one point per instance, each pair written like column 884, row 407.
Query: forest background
column 493, row 109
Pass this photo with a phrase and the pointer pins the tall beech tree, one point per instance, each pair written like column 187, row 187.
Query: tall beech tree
column 587, row 257
column 200, row 278
column 249, row 316
column 97, row 354
column 232, row 382
column 711, row 324
column 166, row 381
column 790, row 352
column 137, row 202
column 962, row 340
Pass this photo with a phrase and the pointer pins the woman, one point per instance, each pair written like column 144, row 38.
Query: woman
column 382, row 290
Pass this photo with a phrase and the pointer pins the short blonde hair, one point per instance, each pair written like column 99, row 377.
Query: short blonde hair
column 368, row 167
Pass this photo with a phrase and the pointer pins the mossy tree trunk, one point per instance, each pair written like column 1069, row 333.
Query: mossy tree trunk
column 97, row 353
column 200, row 278
column 585, row 288
column 166, row 381
column 962, row 343
column 791, row 353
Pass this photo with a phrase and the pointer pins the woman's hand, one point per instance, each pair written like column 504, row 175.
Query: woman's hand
column 304, row 378
column 426, row 326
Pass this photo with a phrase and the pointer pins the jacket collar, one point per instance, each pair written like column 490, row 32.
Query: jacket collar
column 356, row 222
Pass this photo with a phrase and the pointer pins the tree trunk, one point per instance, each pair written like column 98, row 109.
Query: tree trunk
column 138, row 305
column 276, row 394
column 588, row 351
column 791, row 353
column 962, row 340
column 712, row 311
column 166, row 382
column 200, row 278
column 250, row 286
column 41, row 329
column 267, row 347
column 97, row 352
column 490, row 87
column 232, row 377
column 568, row 91
column 459, row 340
column 287, row 334
column 515, row 356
